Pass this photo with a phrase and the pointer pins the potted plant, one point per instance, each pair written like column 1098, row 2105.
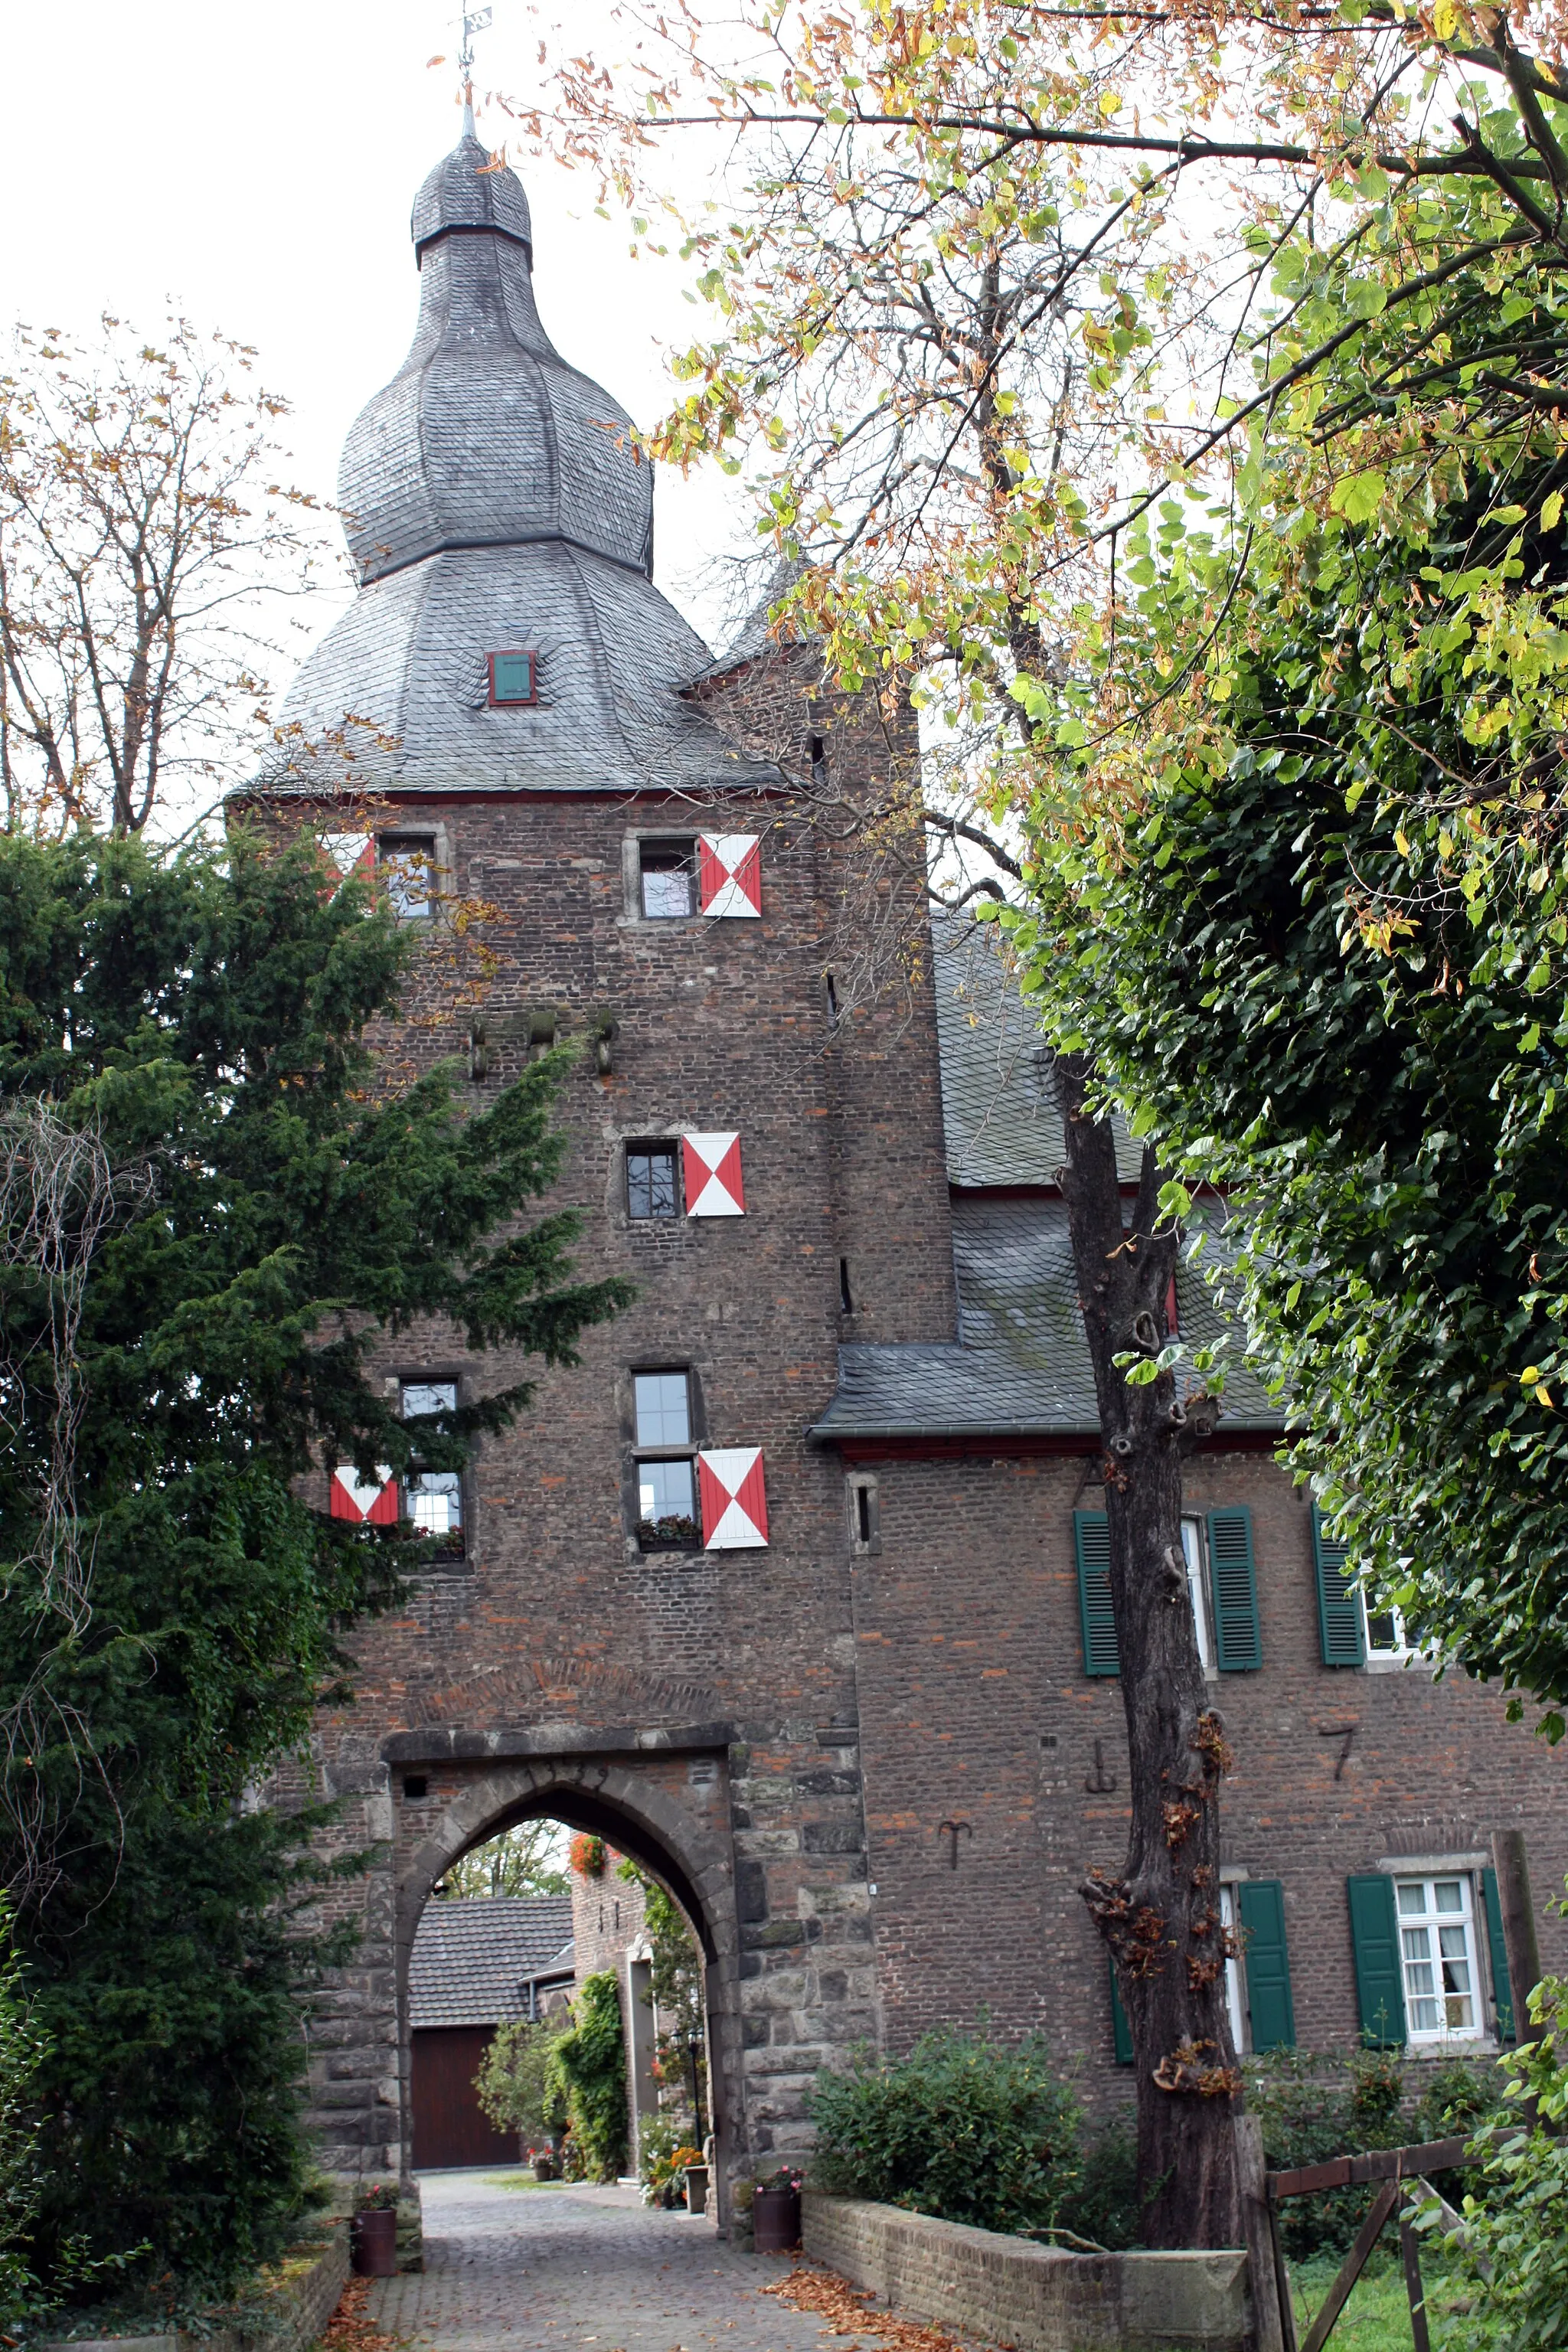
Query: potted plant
column 545, row 2162
column 588, row 1855
column 373, row 2237
column 776, row 2212
column 676, row 1532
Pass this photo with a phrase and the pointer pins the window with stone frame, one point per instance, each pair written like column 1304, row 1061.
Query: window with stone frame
column 405, row 863
column 665, row 1461
column 433, row 1499
column 653, row 1180
column 666, row 872
column 1439, row 1956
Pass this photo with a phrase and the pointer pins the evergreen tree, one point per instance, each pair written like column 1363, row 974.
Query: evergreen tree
column 213, row 1213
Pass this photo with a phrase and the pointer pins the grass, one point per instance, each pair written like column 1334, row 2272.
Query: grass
column 1377, row 2317
column 518, row 2180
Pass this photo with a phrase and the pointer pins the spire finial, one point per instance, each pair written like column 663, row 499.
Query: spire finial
column 473, row 20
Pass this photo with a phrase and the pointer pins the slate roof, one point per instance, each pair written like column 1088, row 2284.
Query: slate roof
column 495, row 504
column 998, row 1105
column 473, row 1955
column 1019, row 1365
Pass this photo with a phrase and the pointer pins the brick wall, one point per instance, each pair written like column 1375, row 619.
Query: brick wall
column 975, row 1707
column 1005, row 2291
column 779, row 1732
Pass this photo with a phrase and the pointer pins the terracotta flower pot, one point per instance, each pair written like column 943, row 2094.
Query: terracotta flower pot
column 775, row 2219
column 374, row 2243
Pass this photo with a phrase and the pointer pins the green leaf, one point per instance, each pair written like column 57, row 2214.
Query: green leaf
column 1358, row 496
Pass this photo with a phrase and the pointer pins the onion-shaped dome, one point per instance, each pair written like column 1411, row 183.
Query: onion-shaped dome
column 496, row 509
column 486, row 437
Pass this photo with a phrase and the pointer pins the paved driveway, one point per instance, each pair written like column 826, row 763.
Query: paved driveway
column 536, row 2269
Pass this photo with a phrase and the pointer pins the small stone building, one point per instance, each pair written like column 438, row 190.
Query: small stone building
column 794, row 1587
column 478, row 1961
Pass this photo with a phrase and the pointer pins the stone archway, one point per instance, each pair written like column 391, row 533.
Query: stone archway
column 626, row 1804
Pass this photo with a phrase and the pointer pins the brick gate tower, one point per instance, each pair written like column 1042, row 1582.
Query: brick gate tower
column 795, row 1587
column 641, row 1620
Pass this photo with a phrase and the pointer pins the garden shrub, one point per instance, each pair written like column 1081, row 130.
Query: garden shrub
column 518, row 2082
column 961, row 2128
column 590, row 2059
column 1313, row 2105
column 1516, row 2253
column 20, row 2053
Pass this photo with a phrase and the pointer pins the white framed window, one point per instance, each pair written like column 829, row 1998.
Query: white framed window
column 1234, row 1983
column 1194, row 1550
column 1385, row 1640
column 434, row 1498
column 1438, row 1955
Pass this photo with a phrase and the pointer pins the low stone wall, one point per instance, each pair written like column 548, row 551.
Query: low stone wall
column 288, row 2311
column 1013, row 2290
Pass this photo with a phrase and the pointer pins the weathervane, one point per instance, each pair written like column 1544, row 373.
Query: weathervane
column 473, row 20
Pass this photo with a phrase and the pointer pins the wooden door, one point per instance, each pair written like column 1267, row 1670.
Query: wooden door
column 450, row 2126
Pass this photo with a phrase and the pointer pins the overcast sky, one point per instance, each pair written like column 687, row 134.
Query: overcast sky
column 254, row 167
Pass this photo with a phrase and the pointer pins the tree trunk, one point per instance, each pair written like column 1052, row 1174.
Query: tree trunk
column 1160, row 1918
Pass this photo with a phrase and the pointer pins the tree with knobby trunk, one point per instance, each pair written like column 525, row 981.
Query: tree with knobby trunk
column 144, row 538
column 997, row 289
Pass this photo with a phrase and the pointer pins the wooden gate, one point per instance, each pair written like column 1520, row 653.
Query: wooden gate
column 1402, row 2172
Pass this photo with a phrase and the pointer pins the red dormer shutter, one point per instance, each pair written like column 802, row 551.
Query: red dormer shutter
column 710, row 1166
column 729, row 874
column 368, row 1506
column 734, row 1500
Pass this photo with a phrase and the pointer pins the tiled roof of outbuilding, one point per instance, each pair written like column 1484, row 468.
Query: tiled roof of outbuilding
column 474, row 1954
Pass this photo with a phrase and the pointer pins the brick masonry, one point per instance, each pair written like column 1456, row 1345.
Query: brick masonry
column 782, row 1734
column 1038, row 2298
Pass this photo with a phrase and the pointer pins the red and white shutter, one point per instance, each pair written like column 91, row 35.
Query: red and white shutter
column 352, row 853
column 729, row 874
column 710, row 1166
column 735, row 1499
column 367, row 1504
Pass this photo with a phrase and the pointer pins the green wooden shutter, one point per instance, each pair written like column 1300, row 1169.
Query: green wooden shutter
column 1238, row 1645
column 1379, row 1978
column 1120, row 2032
column 1342, row 1629
column 1091, row 1538
column 1502, row 1983
column 1261, row 1905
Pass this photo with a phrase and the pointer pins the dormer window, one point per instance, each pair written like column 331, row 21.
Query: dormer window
column 514, row 680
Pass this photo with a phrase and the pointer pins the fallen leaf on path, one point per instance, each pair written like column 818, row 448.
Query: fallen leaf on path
column 351, row 2327
column 845, row 2309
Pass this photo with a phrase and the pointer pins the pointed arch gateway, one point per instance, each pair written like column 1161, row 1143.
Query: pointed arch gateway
column 634, row 1807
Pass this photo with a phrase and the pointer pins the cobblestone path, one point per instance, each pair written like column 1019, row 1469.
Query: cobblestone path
column 551, row 2270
